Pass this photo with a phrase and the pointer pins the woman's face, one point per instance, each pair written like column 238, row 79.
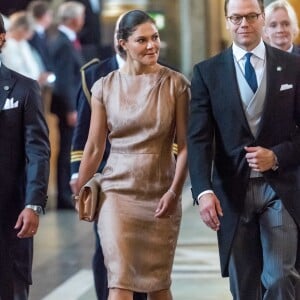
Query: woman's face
column 279, row 30
column 143, row 45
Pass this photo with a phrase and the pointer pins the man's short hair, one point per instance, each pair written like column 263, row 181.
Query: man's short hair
column 70, row 10
column 260, row 2
column 38, row 8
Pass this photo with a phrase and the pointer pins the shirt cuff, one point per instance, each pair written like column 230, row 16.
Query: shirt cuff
column 205, row 192
column 74, row 176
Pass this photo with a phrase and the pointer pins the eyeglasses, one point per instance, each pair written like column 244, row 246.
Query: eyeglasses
column 250, row 18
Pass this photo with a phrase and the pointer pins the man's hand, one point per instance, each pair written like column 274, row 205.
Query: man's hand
column 260, row 159
column 210, row 210
column 28, row 223
column 71, row 118
column 75, row 190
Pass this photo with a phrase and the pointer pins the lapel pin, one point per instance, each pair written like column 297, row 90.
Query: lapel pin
column 6, row 88
column 279, row 69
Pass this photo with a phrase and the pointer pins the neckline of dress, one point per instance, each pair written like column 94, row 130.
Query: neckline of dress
column 159, row 71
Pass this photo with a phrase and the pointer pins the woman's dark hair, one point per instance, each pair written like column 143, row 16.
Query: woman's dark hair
column 128, row 25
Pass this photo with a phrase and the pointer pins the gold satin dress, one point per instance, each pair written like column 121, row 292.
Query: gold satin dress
column 139, row 248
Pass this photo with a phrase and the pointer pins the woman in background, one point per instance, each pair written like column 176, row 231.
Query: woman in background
column 281, row 26
column 17, row 54
column 142, row 105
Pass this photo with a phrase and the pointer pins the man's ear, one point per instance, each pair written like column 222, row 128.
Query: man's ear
column 227, row 24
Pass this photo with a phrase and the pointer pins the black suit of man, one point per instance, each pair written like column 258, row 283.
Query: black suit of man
column 219, row 130
column 66, row 62
column 24, row 161
column 90, row 35
column 92, row 73
column 296, row 50
column 39, row 43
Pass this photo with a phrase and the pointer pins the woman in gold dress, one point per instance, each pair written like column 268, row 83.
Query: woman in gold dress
column 142, row 106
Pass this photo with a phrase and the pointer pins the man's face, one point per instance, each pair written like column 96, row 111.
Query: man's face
column 247, row 34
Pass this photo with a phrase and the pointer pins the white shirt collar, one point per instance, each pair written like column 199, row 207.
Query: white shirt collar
column 259, row 51
column 39, row 29
column 68, row 32
column 290, row 50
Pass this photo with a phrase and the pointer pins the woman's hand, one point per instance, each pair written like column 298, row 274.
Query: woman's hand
column 167, row 205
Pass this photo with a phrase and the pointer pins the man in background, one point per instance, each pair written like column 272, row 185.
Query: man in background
column 42, row 16
column 66, row 59
column 90, row 35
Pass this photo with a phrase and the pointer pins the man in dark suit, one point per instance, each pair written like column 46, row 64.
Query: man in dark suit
column 245, row 117
column 90, row 35
column 66, row 61
column 42, row 15
column 24, row 160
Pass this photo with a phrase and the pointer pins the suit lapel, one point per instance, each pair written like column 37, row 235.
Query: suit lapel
column 275, row 67
column 6, row 84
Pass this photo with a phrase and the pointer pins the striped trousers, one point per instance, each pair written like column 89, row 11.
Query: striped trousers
column 264, row 251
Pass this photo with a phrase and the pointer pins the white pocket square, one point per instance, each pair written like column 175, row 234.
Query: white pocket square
column 9, row 104
column 286, row 87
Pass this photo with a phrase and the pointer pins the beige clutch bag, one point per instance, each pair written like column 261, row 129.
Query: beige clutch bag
column 88, row 201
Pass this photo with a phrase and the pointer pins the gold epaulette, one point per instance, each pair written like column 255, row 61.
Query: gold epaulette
column 83, row 79
column 89, row 63
column 175, row 149
column 76, row 155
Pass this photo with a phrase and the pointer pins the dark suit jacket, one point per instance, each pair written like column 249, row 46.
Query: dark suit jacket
column 92, row 74
column 217, row 118
column 24, row 161
column 90, row 33
column 40, row 45
column 296, row 50
column 66, row 62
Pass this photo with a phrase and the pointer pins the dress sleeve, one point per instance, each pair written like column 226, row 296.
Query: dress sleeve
column 97, row 90
column 182, row 85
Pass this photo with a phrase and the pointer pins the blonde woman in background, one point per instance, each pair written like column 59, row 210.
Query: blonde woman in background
column 281, row 26
column 17, row 54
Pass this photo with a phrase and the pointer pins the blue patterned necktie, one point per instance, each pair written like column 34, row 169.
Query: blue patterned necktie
column 250, row 73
